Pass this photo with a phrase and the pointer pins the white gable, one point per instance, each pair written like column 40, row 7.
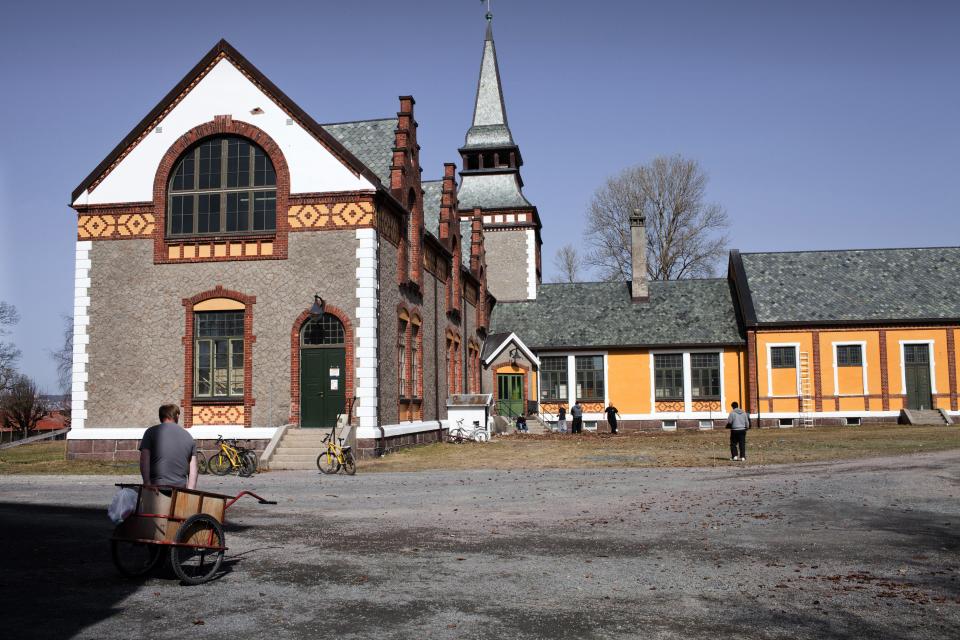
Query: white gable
column 226, row 91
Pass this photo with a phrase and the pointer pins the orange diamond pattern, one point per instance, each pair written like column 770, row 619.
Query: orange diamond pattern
column 321, row 216
column 130, row 225
column 218, row 415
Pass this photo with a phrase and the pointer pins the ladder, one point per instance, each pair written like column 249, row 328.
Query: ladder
column 807, row 407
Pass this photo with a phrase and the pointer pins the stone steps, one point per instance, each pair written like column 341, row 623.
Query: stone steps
column 298, row 450
column 927, row 416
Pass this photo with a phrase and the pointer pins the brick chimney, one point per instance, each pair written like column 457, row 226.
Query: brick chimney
column 639, row 289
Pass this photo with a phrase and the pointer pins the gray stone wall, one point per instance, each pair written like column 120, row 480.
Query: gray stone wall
column 434, row 292
column 507, row 272
column 387, row 334
column 137, row 321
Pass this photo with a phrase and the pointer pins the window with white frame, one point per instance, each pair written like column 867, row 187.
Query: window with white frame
column 783, row 357
column 553, row 378
column 705, row 376
column 668, row 376
column 590, row 382
column 849, row 355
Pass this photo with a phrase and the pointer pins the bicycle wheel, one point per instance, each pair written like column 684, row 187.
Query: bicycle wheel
column 455, row 436
column 219, row 464
column 247, row 466
column 134, row 559
column 199, row 560
column 327, row 462
column 349, row 463
column 202, row 463
column 253, row 457
column 480, row 436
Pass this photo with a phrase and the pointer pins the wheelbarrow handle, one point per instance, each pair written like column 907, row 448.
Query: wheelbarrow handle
column 252, row 495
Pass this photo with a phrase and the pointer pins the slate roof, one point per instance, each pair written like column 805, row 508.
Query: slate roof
column 490, row 191
column 466, row 242
column 493, row 341
column 490, row 128
column 371, row 141
column 602, row 314
column 432, row 192
column 837, row 287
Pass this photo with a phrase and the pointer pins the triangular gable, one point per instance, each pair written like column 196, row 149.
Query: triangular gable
column 512, row 337
column 238, row 81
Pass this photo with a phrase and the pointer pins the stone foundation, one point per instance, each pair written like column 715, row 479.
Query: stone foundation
column 372, row 447
column 126, row 450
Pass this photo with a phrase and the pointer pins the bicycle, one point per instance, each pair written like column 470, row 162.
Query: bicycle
column 232, row 457
column 459, row 435
column 336, row 457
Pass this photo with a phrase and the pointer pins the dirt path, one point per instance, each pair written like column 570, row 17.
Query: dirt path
column 856, row 549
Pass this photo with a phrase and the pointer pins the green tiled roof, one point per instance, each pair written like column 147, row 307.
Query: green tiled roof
column 872, row 285
column 371, row 141
column 602, row 314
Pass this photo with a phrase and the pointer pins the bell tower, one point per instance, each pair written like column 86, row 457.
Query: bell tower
column 490, row 181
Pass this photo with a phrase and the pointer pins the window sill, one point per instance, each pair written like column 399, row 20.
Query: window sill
column 227, row 400
column 221, row 237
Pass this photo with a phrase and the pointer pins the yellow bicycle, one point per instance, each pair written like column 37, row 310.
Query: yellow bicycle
column 336, row 457
column 229, row 458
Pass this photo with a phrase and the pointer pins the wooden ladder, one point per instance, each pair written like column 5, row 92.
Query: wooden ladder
column 807, row 407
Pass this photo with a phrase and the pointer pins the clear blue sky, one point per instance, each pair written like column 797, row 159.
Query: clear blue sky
column 822, row 124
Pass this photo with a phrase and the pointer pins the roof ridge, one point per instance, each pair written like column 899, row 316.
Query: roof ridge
column 330, row 124
column 869, row 249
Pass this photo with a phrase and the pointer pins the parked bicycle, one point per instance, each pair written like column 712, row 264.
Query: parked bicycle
column 336, row 457
column 232, row 457
column 461, row 434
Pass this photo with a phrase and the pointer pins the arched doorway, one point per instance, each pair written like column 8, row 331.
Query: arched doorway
column 322, row 372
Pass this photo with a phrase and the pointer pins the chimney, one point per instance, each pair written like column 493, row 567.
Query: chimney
column 639, row 289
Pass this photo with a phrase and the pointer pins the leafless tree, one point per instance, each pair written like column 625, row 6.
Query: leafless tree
column 21, row 405
column 567, row 262
column 63, row 357
column 686, row 236
column 9, row 354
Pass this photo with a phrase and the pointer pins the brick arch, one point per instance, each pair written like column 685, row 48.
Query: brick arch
column 248, row 340
column 348, row 347
column 221, row 125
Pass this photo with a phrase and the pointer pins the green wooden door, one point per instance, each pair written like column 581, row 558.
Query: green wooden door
column 322, row 377
column 916, row 362
column 510, row 394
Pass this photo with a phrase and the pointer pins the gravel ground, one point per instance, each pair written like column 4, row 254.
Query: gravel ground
column 861, row 549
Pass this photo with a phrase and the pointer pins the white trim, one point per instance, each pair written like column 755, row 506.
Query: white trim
column 404, row 428
column 532, row 358
column 572, row 378
column 365, row 387
column 933, row 369
column 830, row 414
column 796, row 366
column 863, row 366
column 531, row 265
column 687, row 381
column 199, row 432
column 81, row 320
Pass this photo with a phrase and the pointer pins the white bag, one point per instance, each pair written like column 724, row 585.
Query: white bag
column 123, row 504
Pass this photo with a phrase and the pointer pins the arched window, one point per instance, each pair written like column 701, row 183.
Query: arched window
column 325, row 331
column 223, row 185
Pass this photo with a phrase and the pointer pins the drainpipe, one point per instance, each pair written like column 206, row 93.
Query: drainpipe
column 436, row 357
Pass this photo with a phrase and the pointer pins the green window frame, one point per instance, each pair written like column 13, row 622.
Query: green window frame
column 668, row 376
column 849, row 355
column 783, row 357
column 218, row 354
column 553, row 378
column 705, row 376
column 590, row 381
column 222, row 186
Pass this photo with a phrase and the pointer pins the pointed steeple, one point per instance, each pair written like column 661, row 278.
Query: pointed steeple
column 489, row 113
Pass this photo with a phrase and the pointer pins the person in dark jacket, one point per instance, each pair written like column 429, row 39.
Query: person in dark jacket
column 562, row 419
column 612, row 414
column 576, row 412
column 738, row 422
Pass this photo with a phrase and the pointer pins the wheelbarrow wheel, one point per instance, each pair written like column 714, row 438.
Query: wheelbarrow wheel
column 134, row 559
column 200, row 560
column 349, row 463
column 327, row 462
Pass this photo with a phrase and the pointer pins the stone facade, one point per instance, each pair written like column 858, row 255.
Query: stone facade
column 508, row 262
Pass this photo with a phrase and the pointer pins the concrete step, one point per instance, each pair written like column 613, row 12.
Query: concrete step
column 293, row 457
column 926, row 416
column 293, row 466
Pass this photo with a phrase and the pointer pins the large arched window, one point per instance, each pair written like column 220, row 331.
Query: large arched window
column 224, row 185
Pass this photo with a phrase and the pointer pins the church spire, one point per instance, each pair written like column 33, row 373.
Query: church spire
column 489, row 112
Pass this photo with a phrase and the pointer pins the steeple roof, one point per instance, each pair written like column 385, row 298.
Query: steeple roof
column 490, row 128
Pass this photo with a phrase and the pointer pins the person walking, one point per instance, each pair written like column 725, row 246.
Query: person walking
column 612, row 414
column 562, row 419
column 576, row 412
column 168, row 453
column 738, row 422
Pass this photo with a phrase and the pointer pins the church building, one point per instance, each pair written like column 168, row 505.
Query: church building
column 269, row 272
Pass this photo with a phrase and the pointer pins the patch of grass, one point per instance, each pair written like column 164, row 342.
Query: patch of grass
column 681, row 449
column 50, row 458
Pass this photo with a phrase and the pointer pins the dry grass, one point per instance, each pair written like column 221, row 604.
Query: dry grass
column 49, row 458
column 683, row 449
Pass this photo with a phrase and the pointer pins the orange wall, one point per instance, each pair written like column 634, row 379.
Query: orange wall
column 938, row 354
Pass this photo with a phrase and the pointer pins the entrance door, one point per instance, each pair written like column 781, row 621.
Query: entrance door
column 916, row 362
column 322, row 372
column 510, row 394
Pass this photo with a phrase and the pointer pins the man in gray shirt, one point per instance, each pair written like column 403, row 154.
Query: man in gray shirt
column 738, row 422
column 168, row 454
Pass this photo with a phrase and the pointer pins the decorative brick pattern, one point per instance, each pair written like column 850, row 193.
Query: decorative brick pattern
column 308, row 217
column 592, row 407
column 884, row 373
column 389, row 225
column 277, row 241
column 348, row 358
column 706, row 405
column 952, row 364
column 248, row 339
column 817, row 380
column 115, row 226
column 218, row 414
column 669, row 406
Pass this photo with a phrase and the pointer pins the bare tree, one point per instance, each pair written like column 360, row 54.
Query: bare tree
column 686, row 236
column 21, row 405
column 9, row 354
column 63, row 357
column 567, row 262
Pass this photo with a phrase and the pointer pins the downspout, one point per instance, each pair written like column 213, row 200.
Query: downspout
column 436, row 357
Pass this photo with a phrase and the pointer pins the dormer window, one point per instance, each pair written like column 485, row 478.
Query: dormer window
column 224, row 185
